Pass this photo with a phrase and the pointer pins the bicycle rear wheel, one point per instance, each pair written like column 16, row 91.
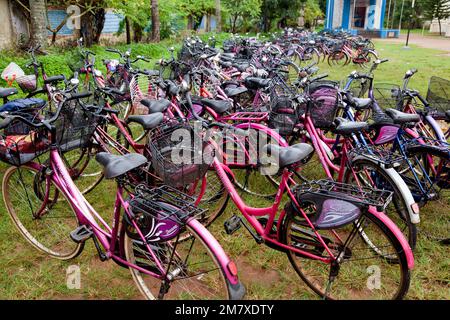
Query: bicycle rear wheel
column 194, row 270
column 23, row 192
column 375, row 270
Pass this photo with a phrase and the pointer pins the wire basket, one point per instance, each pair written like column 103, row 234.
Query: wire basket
column 378, row 153
column 27, row 83
column 21, row 143
column 162, row 212
column 143, row 87
column 388, row 96
column 75, row 126
column 323, row 104
column 438, row 96
column 283, row 115
column 179, row 154
column 360, row 196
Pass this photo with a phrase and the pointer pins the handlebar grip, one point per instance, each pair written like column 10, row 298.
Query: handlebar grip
column 80, row 95
column 384, row 60
column 414, row 70
column 112, row 50
column 319, row 77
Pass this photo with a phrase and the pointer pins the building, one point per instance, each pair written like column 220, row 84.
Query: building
column 364, row 17
column 15, row 28
column 445, row 26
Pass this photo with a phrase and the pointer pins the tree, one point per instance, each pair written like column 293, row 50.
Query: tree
column 38, row 23
column 437, row 9
column 156, row 37
column 218, row 16
column 242, row 9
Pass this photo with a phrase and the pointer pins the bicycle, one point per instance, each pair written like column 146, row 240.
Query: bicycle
column 158, row 261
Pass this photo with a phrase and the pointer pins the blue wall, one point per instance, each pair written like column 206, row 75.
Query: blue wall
column 346, row 15
column 112, row 22
column 55, row 17
column 329, row 14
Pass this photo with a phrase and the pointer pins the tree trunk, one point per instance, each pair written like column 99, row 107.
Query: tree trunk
column 155, row 22
column 137, row 30
column 100, row 17
column 208, row 22
column 127, row 30
column 218, row 16
column 233, row 26
column 38, row 25
column 440, row 31
column 87, row 29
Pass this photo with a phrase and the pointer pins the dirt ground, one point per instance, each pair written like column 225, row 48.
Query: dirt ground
column 432, row 42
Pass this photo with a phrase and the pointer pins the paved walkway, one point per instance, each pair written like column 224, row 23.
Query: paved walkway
column 432, row 42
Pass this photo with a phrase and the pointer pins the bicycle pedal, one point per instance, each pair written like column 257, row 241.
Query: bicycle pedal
column 81, row 234
column 232, row 225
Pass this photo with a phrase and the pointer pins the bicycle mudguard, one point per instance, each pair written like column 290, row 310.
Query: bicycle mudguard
column 436, row 127
column 236, row 289
column 402, row 187
column 398, row 234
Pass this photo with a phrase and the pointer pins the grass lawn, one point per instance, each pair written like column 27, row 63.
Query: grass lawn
column 267, row 274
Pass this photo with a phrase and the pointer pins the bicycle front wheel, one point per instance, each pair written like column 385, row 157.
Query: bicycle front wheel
column 192, row 269
column 23, row 195
column 375, row 269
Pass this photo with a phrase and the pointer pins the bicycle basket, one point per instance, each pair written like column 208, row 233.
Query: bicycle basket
column 161, row 213
column 283, row 116
column 143, row 87
column 324, row 104
column 438, row 96
column 27, row 83
column 388, row 96
column 18, row 149
column 75, row 126
column 179, row 154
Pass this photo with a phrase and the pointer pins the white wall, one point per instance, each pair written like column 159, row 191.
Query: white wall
column 6, row 35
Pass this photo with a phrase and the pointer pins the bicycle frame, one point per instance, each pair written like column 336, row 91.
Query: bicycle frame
column 251, row 214
column 109, row 236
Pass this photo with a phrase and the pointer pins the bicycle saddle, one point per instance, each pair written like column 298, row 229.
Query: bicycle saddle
column 115, row 165
column 289, row 155
column 232, row 92
column 155, row 106
column 5, row 92
column 346, row 127
column 256, row 83
column 225, row 64
column 147, row 121
column 401, row 117
column 219, row 106
column 357, row 103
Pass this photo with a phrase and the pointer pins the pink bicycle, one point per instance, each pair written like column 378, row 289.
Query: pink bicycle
column 334, row 234
column 54, row 217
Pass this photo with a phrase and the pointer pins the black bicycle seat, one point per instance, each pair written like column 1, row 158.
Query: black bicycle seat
column 402, row 117
column 155, row 106
column 147, row 121
column 6, row 92
column 256, row 83
column 289, row 155
column 346, row 127
column 115, row 165
column 219, row 106
column 232, row 92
